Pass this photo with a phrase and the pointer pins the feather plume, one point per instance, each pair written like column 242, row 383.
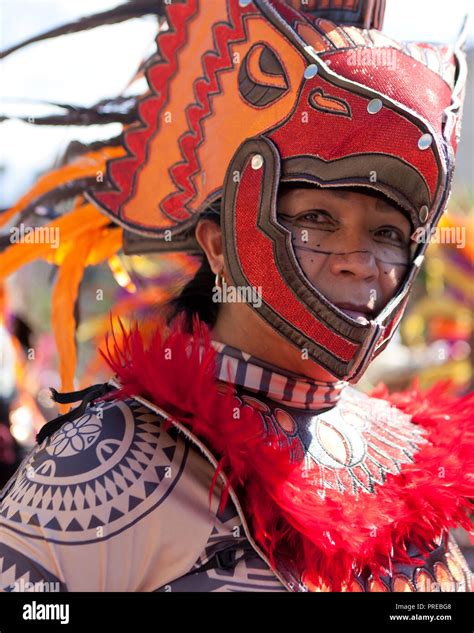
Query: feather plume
column 121, row 13
column 329, row 536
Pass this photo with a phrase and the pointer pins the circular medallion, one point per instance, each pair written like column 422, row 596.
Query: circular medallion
column 96, row 475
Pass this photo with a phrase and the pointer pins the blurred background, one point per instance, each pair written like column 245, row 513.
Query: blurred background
column 435, row 340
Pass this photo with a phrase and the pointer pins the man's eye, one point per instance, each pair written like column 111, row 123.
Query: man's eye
column 316, row 217
column 392, row 234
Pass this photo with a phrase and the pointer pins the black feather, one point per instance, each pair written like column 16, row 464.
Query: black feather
column 118, row 110
column 121, row 13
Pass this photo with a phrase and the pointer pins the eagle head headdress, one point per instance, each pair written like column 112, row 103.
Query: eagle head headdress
column 247, row 94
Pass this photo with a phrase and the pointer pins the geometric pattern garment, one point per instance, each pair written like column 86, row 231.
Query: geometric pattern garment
column 112, row 492
column 111, row 502
column 355, row 444
column 228, row 562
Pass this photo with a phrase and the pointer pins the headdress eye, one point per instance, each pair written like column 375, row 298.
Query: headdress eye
column 323, row 102
column 262, row 77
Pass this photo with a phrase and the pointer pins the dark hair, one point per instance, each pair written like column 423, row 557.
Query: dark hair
column 196, row 296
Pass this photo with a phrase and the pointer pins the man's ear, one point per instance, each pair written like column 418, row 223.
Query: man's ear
column 209, row 236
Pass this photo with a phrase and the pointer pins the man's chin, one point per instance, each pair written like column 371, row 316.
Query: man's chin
column 360, row 317
column 311, row 369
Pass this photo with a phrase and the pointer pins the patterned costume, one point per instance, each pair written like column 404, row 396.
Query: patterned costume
column 199, row 467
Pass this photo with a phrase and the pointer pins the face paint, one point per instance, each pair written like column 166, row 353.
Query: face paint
column 325, row 254
column 315, row 250
column 311, row 239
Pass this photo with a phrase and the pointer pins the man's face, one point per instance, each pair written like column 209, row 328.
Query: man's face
column 353, row 247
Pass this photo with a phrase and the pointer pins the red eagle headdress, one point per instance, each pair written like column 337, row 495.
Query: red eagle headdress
column 246, row 94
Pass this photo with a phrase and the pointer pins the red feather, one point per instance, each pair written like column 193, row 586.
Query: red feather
column 329, row 536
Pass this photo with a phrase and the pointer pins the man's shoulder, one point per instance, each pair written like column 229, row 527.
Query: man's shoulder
column 115, row 482
column 118, row 459
column 104, row 431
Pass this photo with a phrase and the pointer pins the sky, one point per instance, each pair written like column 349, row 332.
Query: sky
column 86, row 67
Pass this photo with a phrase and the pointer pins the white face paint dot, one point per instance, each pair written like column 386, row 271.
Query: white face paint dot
column 310, row 71
column 244, row 3
column 425, row 141
column 423, row 214
column 374, row 106
column 257, row 161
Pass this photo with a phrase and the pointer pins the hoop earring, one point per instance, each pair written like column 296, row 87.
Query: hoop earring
column 219, row 280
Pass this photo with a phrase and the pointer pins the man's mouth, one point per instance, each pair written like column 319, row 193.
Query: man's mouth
column 361, row 314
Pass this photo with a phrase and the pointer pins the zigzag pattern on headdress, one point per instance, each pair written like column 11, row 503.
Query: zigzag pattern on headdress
column 204, row 89
column 123, row 172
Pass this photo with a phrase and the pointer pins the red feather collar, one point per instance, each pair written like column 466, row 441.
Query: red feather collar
column 331, row 535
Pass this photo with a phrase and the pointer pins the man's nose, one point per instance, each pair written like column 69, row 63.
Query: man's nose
column 358, row 263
